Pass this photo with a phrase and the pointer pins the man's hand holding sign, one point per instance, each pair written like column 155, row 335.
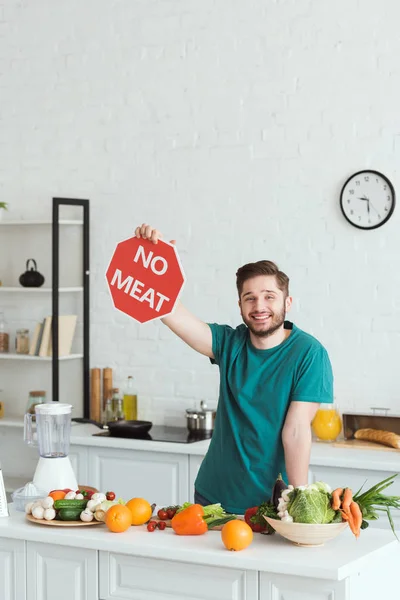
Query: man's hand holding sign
column 145, row 280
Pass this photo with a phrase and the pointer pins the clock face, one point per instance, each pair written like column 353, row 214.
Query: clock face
column 367, row 199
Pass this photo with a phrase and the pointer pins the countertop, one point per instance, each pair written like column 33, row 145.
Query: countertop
column 322, row 454
column 336, row 560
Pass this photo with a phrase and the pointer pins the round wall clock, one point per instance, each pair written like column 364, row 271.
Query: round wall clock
column 367, row 199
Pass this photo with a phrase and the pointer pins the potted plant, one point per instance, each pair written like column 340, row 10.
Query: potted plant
column 3, row 207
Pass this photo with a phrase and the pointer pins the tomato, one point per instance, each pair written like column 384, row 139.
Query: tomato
column 161, row 525
column 151, row 525
column 162, row 514
column 66, row 490
column 110, row 496
column 171, row 513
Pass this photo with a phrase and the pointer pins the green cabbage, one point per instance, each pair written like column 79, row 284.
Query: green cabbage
column 310, row 504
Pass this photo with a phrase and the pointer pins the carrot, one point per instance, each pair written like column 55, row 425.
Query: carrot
column 356, row 513
column 350, row 520
column 347, row 498
column 336, row 501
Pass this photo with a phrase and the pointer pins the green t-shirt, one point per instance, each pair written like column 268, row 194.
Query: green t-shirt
column 256, row 387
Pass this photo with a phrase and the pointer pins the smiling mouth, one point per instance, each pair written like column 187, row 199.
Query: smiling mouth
column 261, row 318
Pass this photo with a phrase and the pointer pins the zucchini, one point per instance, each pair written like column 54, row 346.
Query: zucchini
column 220, row 521
column 58, row 504
column 69, row 514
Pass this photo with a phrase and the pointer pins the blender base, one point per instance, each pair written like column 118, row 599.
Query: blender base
column 55, row 474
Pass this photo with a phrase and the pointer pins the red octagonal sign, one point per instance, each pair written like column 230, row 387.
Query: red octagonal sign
column 145, row 279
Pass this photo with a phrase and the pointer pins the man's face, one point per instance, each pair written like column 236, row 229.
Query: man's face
column 263, row 305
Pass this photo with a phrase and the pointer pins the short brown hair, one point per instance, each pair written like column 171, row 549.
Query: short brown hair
column 262, row 267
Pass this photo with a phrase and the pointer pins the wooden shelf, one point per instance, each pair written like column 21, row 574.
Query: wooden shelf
column 22, row 222
column 9, row 356
column 28, row 290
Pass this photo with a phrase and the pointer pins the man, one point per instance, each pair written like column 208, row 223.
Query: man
column 273, row 376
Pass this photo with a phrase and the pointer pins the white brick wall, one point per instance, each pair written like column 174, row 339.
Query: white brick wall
column 231, row 127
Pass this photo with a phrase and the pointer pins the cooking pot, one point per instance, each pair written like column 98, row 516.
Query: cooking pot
column 200, row 420
column 31, row 277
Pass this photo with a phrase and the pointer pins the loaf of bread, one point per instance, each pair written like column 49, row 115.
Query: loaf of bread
column 387, row 438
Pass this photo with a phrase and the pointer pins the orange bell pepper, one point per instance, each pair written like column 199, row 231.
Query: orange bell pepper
column 190, row 521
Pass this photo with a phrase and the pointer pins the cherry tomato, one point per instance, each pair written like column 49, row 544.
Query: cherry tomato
column 110, row 496
column 171, row 513
column 161, row 525
column 162, row 514
column 151, row 525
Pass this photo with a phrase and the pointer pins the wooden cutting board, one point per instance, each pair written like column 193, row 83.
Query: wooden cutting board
column 363, row 445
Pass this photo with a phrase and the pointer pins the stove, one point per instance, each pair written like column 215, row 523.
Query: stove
column 163, row 433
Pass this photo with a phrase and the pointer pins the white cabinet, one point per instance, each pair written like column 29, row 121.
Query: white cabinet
column 61, row 572
column 159, row 477
column 355, row 478
column 12, row 569
column 286, row 587
column 194, row 466
column 125, row 577
column 79, row 457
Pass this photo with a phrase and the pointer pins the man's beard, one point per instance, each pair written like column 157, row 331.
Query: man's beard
column 276, row 323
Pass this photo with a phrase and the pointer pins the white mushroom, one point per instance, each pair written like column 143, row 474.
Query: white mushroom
column 99, row 496
column 87, row 516
column 47, row 502
column 93, row 504
column 49, row 514
column 79, row 497
column 70, row 496
column 38, row 512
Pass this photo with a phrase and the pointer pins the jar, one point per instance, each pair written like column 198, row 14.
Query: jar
column 35, row 397
column 327, row 423
column 22, row 341
column 4, row 337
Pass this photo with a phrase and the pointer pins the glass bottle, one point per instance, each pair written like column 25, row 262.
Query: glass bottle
column 119, row 411
column 35, row 397
column 22, row 341
column 109, row 410
column 4, row 336
column 130, row 400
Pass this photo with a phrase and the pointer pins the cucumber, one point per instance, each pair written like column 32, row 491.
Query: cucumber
column 69, row 514
column 58, row 504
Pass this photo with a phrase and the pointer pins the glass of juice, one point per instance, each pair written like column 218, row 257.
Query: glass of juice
column 327, row 423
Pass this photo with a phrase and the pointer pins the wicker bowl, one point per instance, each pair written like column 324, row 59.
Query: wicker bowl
column 305, row 534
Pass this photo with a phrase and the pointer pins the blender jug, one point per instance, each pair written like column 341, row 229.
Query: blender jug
column 53, row 428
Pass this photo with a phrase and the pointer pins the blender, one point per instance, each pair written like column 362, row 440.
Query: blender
column 53, row 427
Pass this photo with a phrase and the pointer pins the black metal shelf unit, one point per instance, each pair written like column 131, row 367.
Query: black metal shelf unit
column 57, row 202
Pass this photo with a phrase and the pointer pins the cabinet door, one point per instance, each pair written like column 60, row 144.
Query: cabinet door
column 123, row 576
column 287, row 587
column 194, row 466
column 159, row 477
column 61, row 572
column 12, row 569
column 355, row 478
column 78, row 456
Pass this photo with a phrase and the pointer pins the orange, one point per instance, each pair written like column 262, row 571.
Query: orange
column 236, row 535
column 141, row 510
column 118, row 518
column 57, row 494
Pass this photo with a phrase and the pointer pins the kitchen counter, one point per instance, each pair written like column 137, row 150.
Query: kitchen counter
column 342, row 567
column 82, row 435
column 322, row 454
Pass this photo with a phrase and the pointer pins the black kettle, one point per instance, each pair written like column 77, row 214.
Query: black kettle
column 31, row 277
